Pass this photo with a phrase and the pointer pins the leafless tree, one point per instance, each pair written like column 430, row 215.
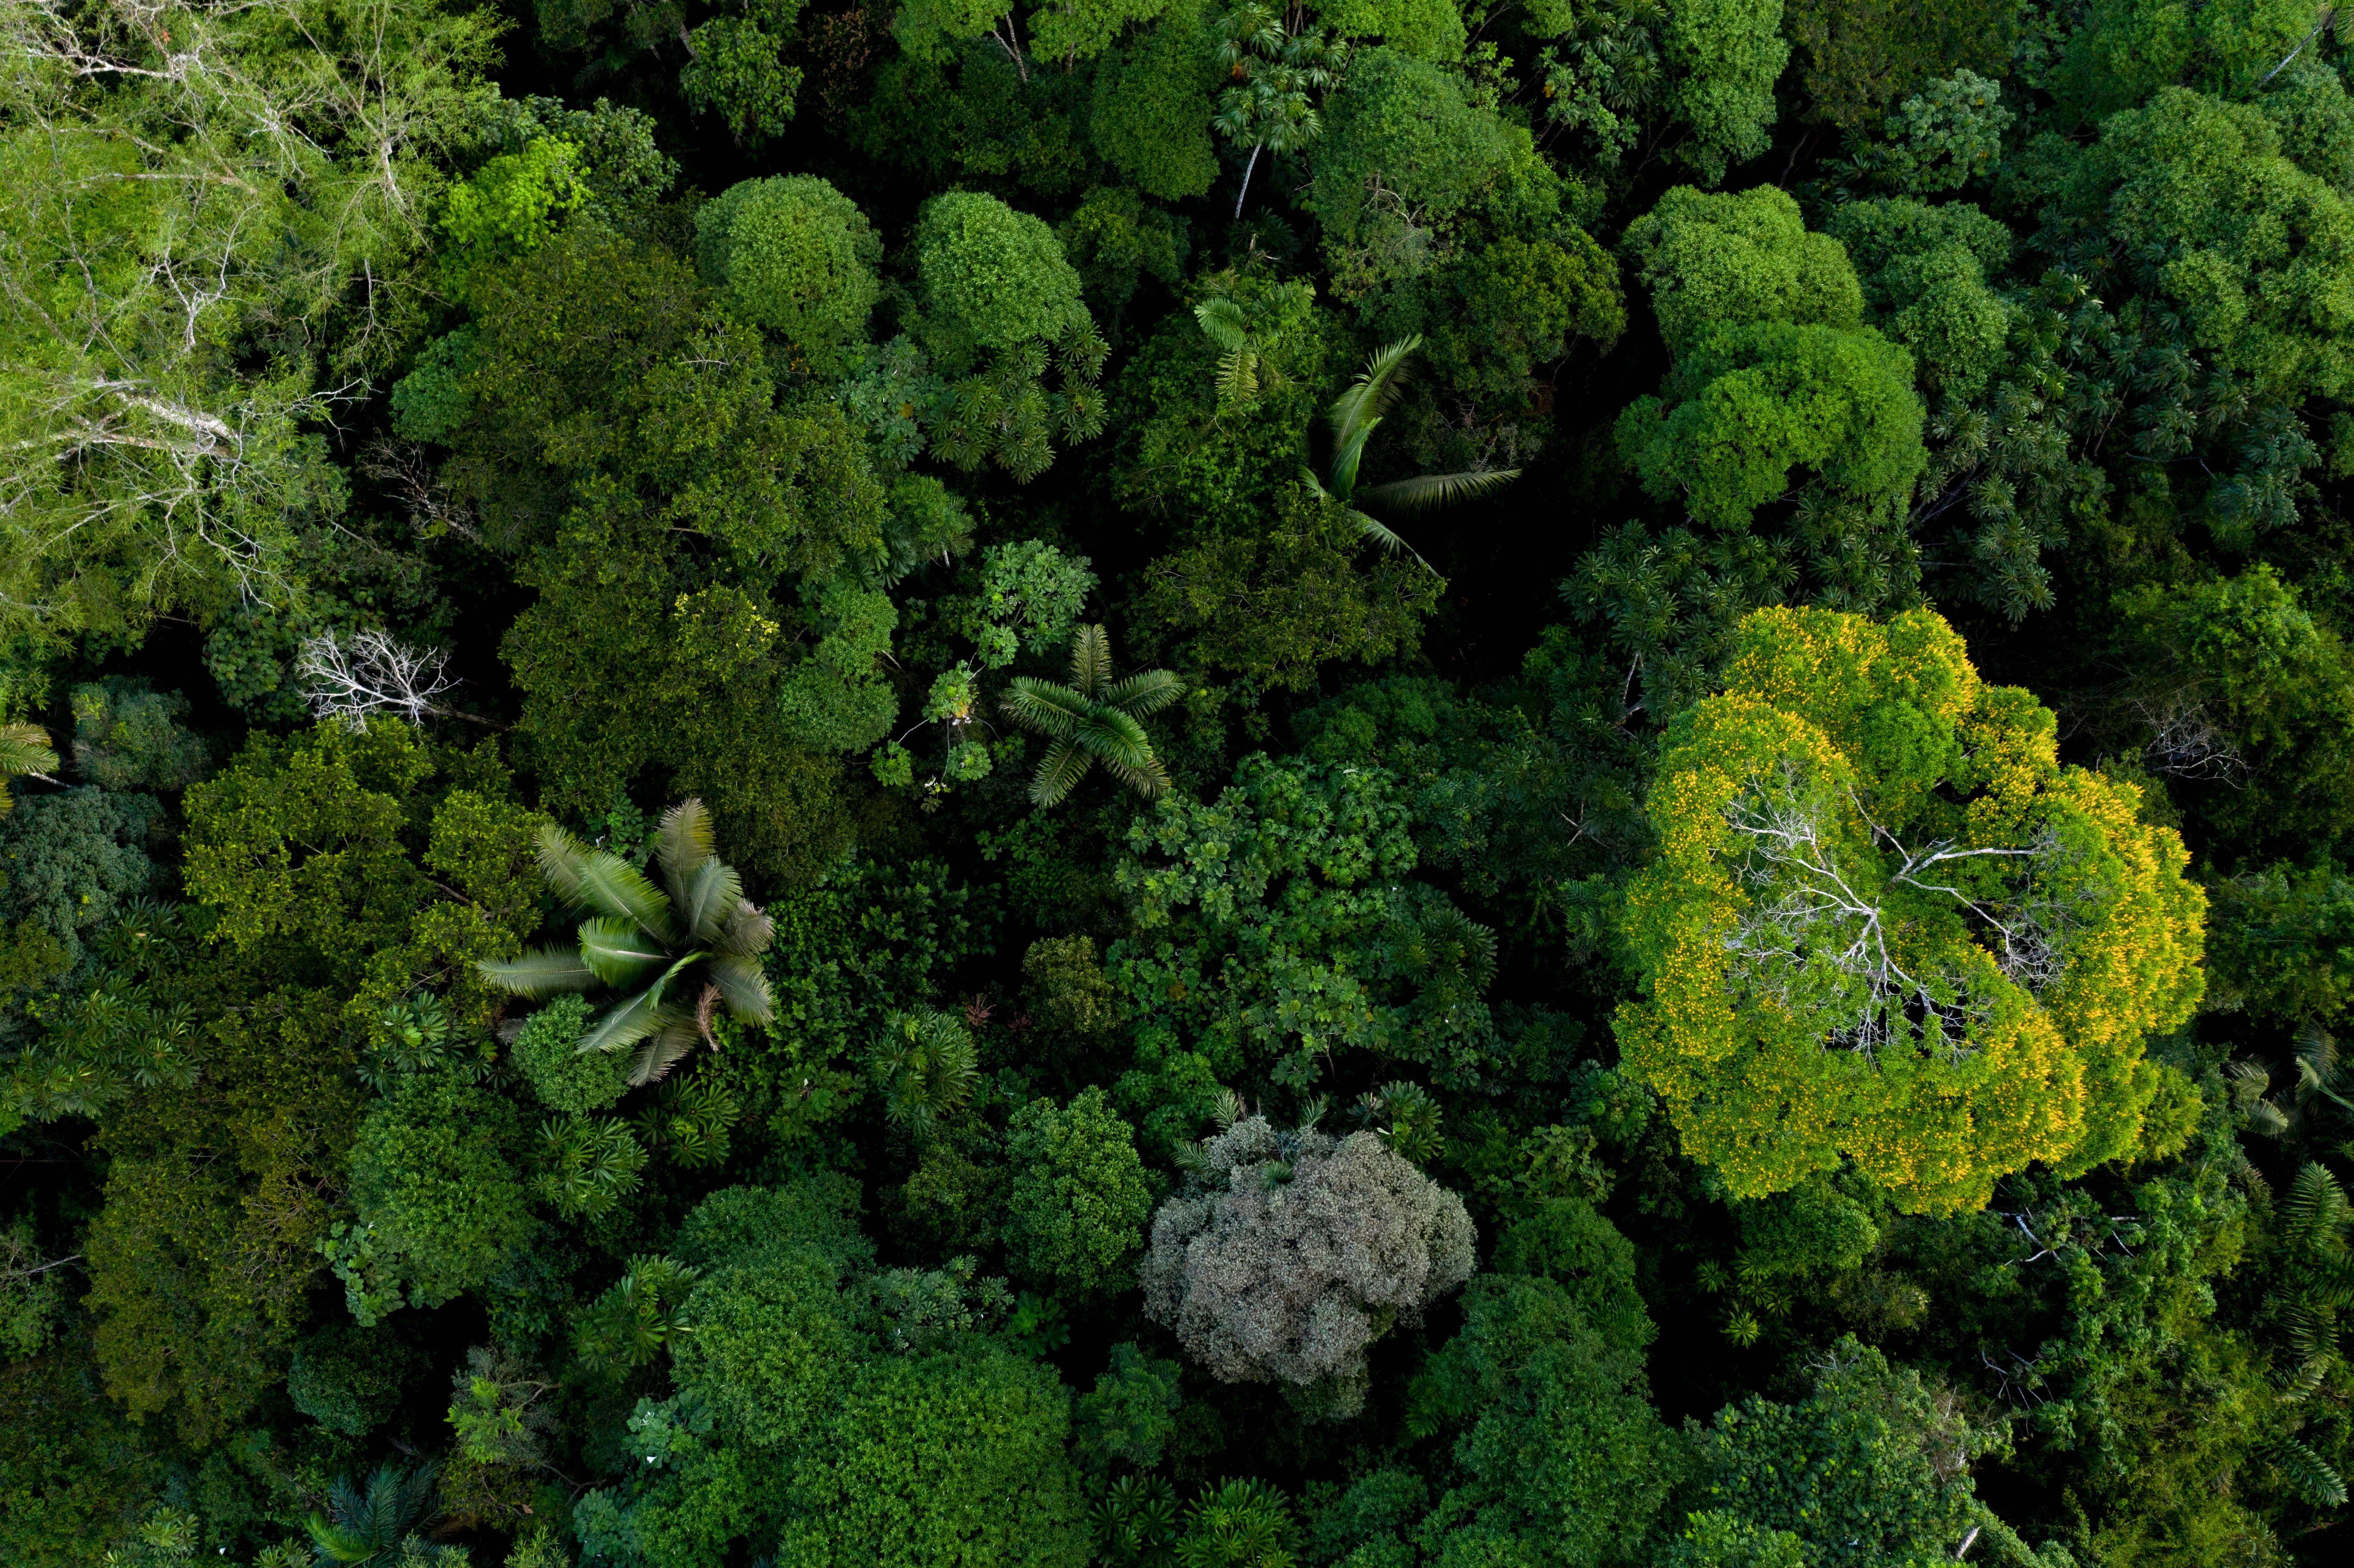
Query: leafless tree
column 352, row 679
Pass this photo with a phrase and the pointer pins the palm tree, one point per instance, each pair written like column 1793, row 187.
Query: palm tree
column 702, row 940
column 1273, row 71
column 1093, row 719
column 369, row 1526
column 23, row 748
column 1355, row 415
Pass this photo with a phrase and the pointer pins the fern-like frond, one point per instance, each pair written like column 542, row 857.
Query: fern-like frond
column 1388, row 539
column 750, row 931
column 1090, row 662
column 743, row 987
column 630, row 1021
column 1434, row 491
column 684, row 843
column 1373, row 393
column 1119, row 743
column 1059, row 773
column 658, row 1053
column 2308, row 1475
column 1145, row 693
column 611, row 885
column 1237, row 379
column 560, row 855
column 712, row 895
column 2314, row 1211
column 23, row 748
column 1043, row 708
column 619, row 952
column 1224, row 323
column 540, row 973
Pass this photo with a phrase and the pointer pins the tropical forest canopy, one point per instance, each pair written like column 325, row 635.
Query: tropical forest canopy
column 1176, row 783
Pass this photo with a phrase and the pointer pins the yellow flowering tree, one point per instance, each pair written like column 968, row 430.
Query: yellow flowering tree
column 1885, row 925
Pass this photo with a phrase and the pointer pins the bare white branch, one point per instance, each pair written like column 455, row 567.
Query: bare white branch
column 1818, row 934
column 352, row 680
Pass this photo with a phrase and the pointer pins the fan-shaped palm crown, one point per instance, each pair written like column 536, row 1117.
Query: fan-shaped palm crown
column 686, row 952
column 23, row 748
column 369, row 1525
column 1355, row 413
column 1093, row 719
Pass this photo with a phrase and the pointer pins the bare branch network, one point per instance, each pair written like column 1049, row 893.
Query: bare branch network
column 352, row 680
column 1807, row 911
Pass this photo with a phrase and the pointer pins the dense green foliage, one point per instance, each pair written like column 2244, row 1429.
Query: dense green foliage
column 1176, row 783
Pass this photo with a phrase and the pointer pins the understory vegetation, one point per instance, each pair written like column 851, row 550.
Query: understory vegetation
column 1176, row 783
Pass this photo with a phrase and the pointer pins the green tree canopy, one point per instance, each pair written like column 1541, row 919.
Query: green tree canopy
column 794, row 255
column 1886, row 926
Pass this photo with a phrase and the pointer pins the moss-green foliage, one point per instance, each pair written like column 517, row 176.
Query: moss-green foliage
column 992, row 278
column 1273, row 606
column 345, row 1379
column 1151, row 116
column 1862, row 56
column 1077, row 1197
column 2205, row 213
column 1409, row 127
column 1749, row 408
column 793, row 256
column 1924, row 271
column 1130, row 1414
column 127, row 736
column 435, row 1185
column 566, row 1079
column 71, row 860
column 1869, row 1469
column 942, row 1458
column 1562, row 1456
column 1710, row 260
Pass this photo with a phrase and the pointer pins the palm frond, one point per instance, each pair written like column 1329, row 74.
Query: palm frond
column 24, row 748
column 712, row 895
column 1146, row 692
column 1431, row 492
column 1346, row 456
column 542, row 972
column 619, row 950
column 629, row 1022
column 750, row 931
column 658, row 1053
column 611, row 885
column 1059, row 773
column 1237, row 378
column 560, row 855
column 1119, row 742
column 1388, row 539
column 1044, row 707
column 683, row 843
column 743, row 987
column 1223, row 323
column 1373, row 393
column 1090, row 662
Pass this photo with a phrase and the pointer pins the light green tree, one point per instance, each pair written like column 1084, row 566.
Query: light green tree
column 152, row 464
column 1077, row 1200
column 795, row 257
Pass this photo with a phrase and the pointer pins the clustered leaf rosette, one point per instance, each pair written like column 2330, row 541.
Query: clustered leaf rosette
column 1886, row 926
column 683, row 952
